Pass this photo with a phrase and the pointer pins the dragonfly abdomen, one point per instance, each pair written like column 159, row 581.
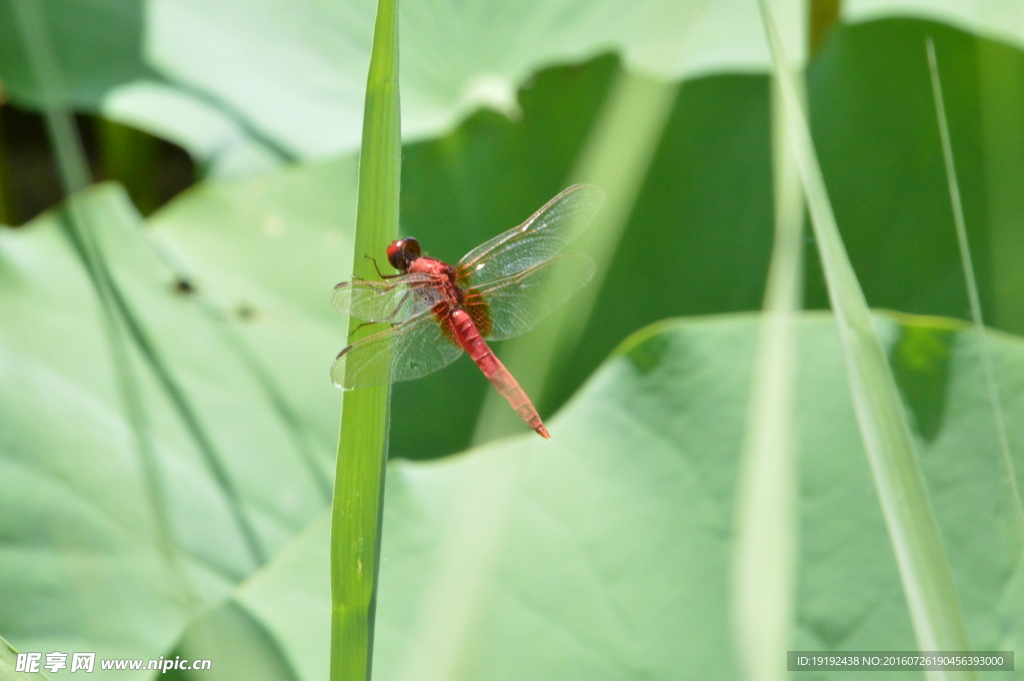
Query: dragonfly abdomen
column 501, row 378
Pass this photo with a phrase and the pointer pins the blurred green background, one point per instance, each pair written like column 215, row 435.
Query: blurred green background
column 166, row 446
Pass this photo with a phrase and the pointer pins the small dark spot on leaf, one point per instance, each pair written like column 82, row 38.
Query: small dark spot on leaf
column 184, row 287
column 246, row 312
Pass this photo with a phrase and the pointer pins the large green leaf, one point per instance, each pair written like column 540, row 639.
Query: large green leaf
column 603, row 554
column 244, row 85
column 269, row 251
column 98, row 44
column 211, row 132
column 82, row 563
column 999, row 20
column 312, row 57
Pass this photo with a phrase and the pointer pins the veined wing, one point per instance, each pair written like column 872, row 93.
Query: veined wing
column 511, row 306
column 544, row 234
column 393, row 300
column 404, row 352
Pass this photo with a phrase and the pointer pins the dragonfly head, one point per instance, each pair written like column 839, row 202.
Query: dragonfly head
column 403, row 252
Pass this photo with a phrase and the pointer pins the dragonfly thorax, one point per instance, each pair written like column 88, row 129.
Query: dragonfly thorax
column 442, row 273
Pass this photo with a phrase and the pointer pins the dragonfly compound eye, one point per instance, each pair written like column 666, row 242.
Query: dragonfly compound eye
column 403, row 252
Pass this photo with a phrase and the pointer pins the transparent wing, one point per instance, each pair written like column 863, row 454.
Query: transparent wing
column 511, row 306
column 393, row 301
column 543, row 235
column 416, row 348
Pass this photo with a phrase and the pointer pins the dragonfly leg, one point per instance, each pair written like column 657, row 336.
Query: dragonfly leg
column 379, row 273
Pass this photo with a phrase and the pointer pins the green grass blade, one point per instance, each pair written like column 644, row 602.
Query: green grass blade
column 362, row 443
column 615, row 158
column 764, row 555
column 9, row 665
column 972, row 285
column 70, row 156
column 924, row 569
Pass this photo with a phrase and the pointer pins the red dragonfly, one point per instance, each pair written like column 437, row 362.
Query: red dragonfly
column 436, row 311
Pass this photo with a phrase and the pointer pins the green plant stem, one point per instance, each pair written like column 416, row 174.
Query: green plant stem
column 899, row 482
column 363, row 440
column 9, row 663
column 764, row 555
